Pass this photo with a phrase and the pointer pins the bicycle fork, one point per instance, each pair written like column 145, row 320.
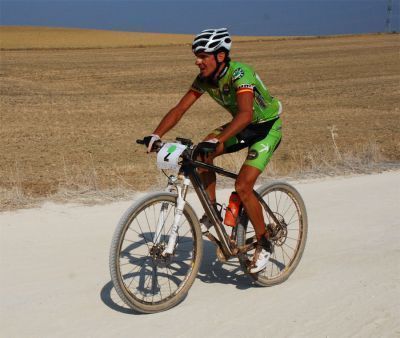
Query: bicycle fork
column 180, row 205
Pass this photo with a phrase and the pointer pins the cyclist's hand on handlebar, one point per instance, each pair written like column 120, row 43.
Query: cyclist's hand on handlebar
column 149, row 141
column 208, row 146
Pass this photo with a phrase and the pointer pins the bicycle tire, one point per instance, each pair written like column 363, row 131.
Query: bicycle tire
column 173, row 271
column 245, row 230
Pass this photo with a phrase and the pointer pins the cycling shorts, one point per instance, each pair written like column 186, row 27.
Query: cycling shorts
column 262, row 139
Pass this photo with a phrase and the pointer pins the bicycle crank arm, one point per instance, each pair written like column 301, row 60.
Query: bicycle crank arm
column 220, row 253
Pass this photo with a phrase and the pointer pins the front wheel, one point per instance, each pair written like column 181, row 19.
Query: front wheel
column 289, row 238
column 145, row 275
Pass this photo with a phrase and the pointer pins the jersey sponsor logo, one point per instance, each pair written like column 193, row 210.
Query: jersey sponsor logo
column 265, row 148
column 237, row 74
column 252, row 155
column 259, row 99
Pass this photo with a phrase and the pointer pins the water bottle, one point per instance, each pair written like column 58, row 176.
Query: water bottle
column 232, row 210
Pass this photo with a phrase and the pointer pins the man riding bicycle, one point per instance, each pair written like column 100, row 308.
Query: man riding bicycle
column 255, row 125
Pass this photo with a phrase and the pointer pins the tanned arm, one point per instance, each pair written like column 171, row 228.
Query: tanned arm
column 176, row 113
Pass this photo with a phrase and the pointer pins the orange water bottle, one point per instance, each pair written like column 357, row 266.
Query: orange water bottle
column 232, row 210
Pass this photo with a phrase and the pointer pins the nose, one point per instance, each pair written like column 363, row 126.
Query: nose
column 197, row 62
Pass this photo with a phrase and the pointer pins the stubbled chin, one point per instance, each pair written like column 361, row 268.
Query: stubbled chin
column 201, row 74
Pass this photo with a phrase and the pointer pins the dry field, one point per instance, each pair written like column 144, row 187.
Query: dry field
column 25, row 37
column 69, row 117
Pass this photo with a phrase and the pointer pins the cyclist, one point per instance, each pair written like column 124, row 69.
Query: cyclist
column 255, row 124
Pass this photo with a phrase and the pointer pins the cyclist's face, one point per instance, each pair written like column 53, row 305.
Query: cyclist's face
column 206, row 63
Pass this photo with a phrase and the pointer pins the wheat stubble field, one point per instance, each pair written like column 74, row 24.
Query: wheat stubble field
column 69, row 116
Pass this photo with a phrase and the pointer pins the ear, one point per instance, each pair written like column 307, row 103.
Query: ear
column 221, row 56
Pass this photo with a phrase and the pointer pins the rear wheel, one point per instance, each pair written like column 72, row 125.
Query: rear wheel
column 145, row 278
column 288, row 238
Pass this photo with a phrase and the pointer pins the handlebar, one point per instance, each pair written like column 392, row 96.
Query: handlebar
column 157, row 145
column 192, row 149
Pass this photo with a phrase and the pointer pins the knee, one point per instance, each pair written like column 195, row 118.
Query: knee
column 243, row 188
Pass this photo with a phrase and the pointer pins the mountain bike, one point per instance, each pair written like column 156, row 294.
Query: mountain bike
column 157, row 246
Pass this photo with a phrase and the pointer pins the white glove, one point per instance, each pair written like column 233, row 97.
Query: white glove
column 153, row 138
column 212, row 140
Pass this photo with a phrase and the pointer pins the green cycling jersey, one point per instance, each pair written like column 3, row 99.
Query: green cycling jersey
column 234, row 79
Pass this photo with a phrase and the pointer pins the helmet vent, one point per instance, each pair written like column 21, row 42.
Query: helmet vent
column 212, row 40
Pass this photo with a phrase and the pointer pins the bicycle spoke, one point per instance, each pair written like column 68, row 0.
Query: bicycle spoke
column 169, row 280
column 294, row 239
column 285, row 253
column 272, row 267
column 294, row 249
column 287, row 209
column 293, row 215
column 144, row 237
column 296, row 221
column 165, row 220
column 133, row 230
column 130, row 262
column 283, row 257
column 154, row 280
column 133, row 277
column 148, row 224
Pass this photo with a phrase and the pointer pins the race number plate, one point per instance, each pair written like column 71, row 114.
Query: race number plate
column 168, row 156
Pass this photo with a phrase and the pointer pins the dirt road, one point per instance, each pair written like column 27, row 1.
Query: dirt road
column 55, row 280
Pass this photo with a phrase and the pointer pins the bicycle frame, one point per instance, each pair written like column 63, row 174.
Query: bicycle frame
column 189, row 170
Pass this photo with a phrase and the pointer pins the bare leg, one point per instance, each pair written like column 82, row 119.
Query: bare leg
column 207, row 177
column 244, row 187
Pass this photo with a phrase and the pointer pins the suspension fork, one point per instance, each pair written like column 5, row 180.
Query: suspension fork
column 180, row 205
column 164, row 208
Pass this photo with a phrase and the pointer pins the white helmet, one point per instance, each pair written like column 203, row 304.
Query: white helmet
column 212, row 40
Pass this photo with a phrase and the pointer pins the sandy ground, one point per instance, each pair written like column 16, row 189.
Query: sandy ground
column 55, row 280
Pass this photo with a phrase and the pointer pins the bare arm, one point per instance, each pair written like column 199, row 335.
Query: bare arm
column 242, row 119
column 176, row 113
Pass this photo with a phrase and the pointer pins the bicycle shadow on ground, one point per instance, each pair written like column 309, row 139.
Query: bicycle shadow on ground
column 210, row 271
column 110, row 298
column 214, row 271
